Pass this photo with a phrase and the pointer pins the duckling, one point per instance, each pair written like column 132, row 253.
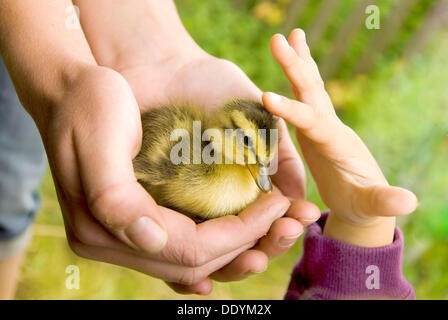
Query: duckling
column 207, row 164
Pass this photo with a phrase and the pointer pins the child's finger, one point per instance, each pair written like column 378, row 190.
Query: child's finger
column 301, row 71
column 387, row 201
column 296, row 113
column 297, row 40
column 296, row 63
column 293, row 66
column 309, row 121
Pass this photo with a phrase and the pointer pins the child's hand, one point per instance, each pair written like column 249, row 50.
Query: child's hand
column 363, row 205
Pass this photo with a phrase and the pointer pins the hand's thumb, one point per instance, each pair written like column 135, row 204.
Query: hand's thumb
column 387, row 201
column 131, row 214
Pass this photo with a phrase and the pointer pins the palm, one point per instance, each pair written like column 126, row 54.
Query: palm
column 205, row 80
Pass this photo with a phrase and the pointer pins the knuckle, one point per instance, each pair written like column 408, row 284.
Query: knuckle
column 278, row 198
column 105, row 204
column 83, row 230
column 257, row 231
column 187, row 255
column 188, row 277
column 193, row 258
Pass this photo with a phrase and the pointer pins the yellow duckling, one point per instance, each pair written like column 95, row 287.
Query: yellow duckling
column 206, row 164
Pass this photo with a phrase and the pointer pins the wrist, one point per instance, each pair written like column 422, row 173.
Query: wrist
column 48, row 88
column 144, row 32
column 148, row 50
column 376, row 233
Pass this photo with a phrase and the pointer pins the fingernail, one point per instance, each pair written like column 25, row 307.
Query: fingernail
column 252, row 272
column 275, row 98
column 310, row 220
column 259, row 271
column 146, row 234
column 286, row 242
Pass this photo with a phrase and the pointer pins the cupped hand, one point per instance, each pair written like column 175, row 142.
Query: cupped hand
column 349, row 179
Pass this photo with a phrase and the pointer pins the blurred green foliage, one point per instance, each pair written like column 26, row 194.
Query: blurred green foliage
column 234, row 34
column 400, row 111
column 223, row 28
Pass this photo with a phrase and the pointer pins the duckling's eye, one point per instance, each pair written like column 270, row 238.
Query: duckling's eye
column 247, row 141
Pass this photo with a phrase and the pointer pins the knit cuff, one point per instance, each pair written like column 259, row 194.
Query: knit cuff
column 332, row 269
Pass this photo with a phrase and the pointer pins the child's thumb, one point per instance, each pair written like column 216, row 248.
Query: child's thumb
column 387, row 201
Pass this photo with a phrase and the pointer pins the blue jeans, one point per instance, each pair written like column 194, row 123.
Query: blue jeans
column 22, row 165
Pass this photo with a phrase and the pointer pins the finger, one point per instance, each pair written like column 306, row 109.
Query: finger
column 388, row 201
column 302, row 72
column 297, row 40
column 248, row 263
column 297, row 113
column 220, row 236
column 170, row 272
column 293, row 66
column 304, row 211
column 105, row 145
column 282, row 236
column 203, row 287
column 290, row 176
column 287, row 230
column 310, row 122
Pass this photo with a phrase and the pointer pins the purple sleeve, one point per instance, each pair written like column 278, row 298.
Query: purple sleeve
column 331, row 269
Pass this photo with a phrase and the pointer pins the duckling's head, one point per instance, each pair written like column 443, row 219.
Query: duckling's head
column 251, row 138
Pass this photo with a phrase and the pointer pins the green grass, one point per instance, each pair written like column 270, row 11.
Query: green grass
column 400, row 111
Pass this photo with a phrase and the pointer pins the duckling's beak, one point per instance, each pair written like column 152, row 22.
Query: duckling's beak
column 260, row 173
